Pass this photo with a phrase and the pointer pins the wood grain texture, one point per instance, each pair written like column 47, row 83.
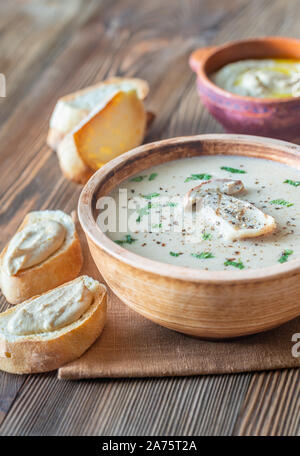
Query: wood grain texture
column 187, row 406
column 272, row 405
column 52, row 48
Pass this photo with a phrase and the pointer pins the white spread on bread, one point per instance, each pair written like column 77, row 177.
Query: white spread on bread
column 44, row 233
column 33, row 244
column 52, row 329
column 53, row 310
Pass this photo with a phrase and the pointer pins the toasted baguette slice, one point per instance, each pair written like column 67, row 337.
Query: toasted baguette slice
column 62, row 265
column 109, row 130
column 71, row 109
column 235, row 218
column 227, row 186
column 49, row 350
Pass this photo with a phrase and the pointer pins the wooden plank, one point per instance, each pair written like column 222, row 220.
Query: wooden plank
column 9, row 388
column 32, row 35
column 165, row 406
column 272, row 405
column 150, row 40
column 36, row 165
column 53, row 30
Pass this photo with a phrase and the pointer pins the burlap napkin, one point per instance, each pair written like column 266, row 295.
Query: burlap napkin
column 131, row 346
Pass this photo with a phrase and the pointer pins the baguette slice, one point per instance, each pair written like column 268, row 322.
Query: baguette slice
column 235, row 218
column 227, row 186
column 112, row 128
column 61, row 266
column 46, row 351
column 71, row 109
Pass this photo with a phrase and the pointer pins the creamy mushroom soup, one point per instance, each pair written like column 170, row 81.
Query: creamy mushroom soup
column 263, row 78
column 243, row 213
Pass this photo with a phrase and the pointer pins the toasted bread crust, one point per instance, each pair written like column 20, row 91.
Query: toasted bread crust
column 57, row 269
column 55, row 135
column 141, row 86
column 54, row 138
column 33, row 354
column 268, row 228
column 72, row 162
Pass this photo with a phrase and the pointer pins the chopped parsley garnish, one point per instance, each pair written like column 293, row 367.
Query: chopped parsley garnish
column 233, row 170
column 291, row 182
column 137, row 179
column 170, row 204
column 157, row 225
column 206, row 236
column 143, row 211
column 194, row 177
column 202, row 255
column 128, row 240
column 150, row 195
column 285, row 256
column 237, row 264
column 174, row 254
column 140, row 178
column 282, row 202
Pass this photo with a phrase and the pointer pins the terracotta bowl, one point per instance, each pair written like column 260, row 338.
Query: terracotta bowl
column 208, row 304
column 273, row 117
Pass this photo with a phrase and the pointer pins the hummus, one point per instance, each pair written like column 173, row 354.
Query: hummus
column 33, row 244
column 263, row 78
column 52, row 311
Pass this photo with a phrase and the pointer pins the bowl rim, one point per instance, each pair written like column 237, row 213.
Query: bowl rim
column 99, row 238
column 203, row 74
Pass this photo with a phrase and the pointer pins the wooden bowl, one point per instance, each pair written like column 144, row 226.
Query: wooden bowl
column 274, row 117
column 208, row 304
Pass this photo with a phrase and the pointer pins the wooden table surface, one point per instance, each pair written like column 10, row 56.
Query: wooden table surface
column 50, row 48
